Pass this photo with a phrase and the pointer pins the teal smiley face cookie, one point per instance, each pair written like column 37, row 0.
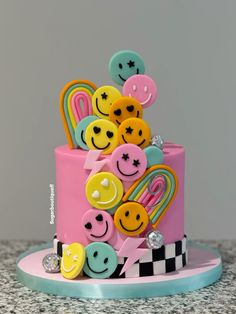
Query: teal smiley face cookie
column 80, row 131
column 101, row 260
column 124, row 64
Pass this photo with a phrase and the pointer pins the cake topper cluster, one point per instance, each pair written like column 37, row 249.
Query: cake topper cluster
column 128, row 186
column 102, row 118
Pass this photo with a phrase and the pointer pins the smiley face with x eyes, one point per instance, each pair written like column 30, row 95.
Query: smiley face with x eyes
column 124, row 108
column 104, row 190
column 124, row 64
column 142, row 88
column 131, row 218
column 72, row 261
column 102, row 135
column 128, row 162
column 135, row 131
column 102, row 100
column 101, row 260
column 97, row 225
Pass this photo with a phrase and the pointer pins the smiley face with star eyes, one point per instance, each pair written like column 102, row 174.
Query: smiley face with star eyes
column 102, row 135
column 128, row 162
column 124, row 64
column 72, row 261
column 124, row 108
column 135, row 131
column 102, row 100
column 131, row 218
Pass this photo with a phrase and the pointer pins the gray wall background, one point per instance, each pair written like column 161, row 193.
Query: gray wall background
column 189, row 48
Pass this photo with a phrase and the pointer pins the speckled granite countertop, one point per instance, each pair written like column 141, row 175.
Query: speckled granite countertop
column 14, row 298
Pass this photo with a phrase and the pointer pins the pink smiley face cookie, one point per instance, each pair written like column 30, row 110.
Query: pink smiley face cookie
column 97, row 225
column 142, row 88
column 128, row 162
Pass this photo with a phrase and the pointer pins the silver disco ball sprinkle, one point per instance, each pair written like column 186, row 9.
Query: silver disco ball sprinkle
column 51, row 263
column 154, row 239
column 158, row 141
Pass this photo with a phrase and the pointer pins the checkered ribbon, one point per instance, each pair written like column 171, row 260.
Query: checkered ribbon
column 168, row 258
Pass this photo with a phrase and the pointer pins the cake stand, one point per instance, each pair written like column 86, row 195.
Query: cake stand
column 203, row 269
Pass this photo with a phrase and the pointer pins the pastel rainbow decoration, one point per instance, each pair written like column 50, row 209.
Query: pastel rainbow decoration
column 155, row 190
column 72, row 95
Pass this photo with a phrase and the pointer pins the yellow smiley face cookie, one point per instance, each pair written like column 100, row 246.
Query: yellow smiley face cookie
column 72, row 261
column 124, row 108
column 135, row 131
column 131, row 219
column 102, row 100
column 104, row 190
column 102, row 134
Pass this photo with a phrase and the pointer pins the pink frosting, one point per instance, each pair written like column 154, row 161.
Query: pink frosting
column 71, row 202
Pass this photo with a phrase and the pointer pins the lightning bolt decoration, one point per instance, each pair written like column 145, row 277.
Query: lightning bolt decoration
column 130, row 249
column 93, row 163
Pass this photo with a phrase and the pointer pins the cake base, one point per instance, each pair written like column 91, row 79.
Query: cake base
column 204, row 268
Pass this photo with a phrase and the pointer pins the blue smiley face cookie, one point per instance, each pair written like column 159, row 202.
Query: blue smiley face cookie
column 80, row 131
column 101, row 260
column 124, row 64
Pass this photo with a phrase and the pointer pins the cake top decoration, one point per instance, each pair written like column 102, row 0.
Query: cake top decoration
column 124, row 64
column 81, row 103
column 142, row 88
column 124, row 108
column 102, row 100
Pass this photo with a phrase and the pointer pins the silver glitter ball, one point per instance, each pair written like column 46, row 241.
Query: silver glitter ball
column 154, row 239
column 158, row 141
column 51, row 263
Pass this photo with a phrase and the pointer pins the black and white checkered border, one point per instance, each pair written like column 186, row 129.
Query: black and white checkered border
column 166, row 259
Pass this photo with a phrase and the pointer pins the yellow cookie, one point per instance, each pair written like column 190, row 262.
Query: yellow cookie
column 124, row 108
column 72, row 261
column 135, row 131
column 102, row 100
column 104, row 190
column 131, row 218
column 103, row 135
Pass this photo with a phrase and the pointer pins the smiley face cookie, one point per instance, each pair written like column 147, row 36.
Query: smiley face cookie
column 104, row 190
column 102, row 135
column 128, row 162
column 135, row 131
column 124, row 64
column 124, row 108
column 80, row 131
column 131, row 219
column 102, row 100
column 142, row 88
column 97, row 225
column 72, row 261
column 101, row 260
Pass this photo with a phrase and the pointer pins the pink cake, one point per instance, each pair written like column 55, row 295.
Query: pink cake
column 71, row 196
column 119, row 189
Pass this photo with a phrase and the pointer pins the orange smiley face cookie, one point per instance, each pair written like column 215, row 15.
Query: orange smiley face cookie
column 131, row 218
column 135, row 131
column 124, row 108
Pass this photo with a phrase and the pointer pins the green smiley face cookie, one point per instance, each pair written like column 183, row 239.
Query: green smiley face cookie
column 124, row 64
column 101, row 260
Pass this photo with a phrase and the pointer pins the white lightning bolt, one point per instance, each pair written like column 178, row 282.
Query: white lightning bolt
column 130, row 249
column 92, row 163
